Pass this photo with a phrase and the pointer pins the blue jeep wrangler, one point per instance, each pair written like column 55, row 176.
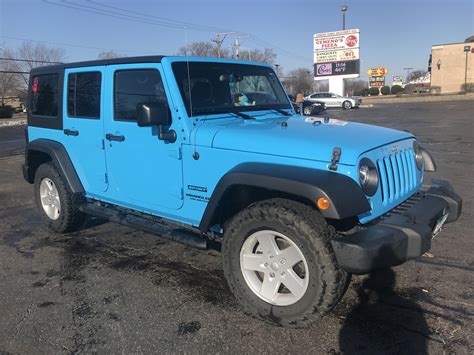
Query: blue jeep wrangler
column 210, row 153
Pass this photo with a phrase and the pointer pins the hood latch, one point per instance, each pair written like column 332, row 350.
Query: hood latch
column 336, row 155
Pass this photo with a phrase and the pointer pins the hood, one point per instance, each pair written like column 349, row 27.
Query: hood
column 301, row 138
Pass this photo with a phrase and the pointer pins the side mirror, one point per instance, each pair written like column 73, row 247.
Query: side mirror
column 156, row 114
column 153, row 114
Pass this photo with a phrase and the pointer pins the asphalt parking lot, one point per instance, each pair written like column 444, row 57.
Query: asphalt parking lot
column 110, row 289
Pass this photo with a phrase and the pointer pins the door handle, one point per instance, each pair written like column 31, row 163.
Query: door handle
column 111, row 137
column 70, row 132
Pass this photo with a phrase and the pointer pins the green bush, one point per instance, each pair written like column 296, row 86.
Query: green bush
column 373, row 91
column 385, row 90
column 396, row 89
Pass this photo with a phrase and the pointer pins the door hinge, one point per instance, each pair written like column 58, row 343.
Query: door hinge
column 103, row 144
column 106, row 178
column 182, row 193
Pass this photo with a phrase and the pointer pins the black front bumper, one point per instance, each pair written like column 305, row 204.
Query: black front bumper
column 403, row 234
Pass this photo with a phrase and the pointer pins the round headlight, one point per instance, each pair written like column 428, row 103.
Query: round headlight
column 368, row 176
column 364, row 175
column 417, row 151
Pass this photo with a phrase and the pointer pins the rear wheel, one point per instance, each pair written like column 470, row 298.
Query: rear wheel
column 279, row 263
column 347, row 105
column 56, row 203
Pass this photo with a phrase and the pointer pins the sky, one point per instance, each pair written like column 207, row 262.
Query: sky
column 394, row 34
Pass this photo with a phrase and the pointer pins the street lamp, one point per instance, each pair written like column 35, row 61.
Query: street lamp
column 344, row 9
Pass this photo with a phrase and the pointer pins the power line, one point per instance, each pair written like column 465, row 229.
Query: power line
column 31, row 61
column 219, row 40
column 71, row 45
column 161, row 21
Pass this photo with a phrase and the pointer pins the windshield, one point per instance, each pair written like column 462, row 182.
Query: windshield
column 227, row 87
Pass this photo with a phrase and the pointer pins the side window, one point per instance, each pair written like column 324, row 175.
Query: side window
column 132, row 87
column 315, row 96
column 83, row 94
column 44, row 95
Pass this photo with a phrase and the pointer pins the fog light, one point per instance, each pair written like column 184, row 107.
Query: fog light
column 323, row 203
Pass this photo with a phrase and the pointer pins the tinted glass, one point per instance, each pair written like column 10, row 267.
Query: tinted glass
column 228, row 87
column 44, row 95
column 132, row 87
column 83, row 94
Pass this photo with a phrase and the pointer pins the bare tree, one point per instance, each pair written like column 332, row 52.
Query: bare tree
column 299, row 80
column 110, row 55
column 33, row 56
column 267, row 56
column 416, row 74
column 203, row 49
column 355, row 87
column 207, row 49
column 8, row 80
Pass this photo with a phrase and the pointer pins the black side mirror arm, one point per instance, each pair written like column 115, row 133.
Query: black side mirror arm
column 166, row 135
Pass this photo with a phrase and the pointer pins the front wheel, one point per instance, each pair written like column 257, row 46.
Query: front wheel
column 347, row 105
column 279, row 263
column 308, row 110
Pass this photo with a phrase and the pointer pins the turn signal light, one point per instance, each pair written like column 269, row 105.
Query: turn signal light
column 323, row 203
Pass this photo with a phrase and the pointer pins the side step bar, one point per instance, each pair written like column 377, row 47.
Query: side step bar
column 159, row 228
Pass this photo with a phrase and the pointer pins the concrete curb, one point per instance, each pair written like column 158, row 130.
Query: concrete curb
column 13, row 122
column 409, row 99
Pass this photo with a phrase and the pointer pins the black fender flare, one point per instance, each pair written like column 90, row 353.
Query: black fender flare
column 346, row 197
column 60, row 159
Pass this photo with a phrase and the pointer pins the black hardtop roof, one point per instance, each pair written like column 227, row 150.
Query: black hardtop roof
column 100, row 62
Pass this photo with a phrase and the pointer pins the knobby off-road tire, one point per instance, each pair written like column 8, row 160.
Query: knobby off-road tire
column 307, row 229
column 69, row 218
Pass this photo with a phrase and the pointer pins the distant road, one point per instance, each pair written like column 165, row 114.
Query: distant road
column 12, row 140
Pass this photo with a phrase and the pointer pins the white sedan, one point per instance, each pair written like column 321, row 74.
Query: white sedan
column 334, row 100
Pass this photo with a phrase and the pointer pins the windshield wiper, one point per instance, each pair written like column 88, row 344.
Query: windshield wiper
column 243, row 115
column 283, row 112
column 214, row 110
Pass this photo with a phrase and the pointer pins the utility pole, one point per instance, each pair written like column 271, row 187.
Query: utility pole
column 237, row 45
column 344, row 9
column 220, row 37
column 408, row 72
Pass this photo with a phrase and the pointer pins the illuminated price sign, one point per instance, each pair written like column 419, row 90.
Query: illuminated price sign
column 336, row 68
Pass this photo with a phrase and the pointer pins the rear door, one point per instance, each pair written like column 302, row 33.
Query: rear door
column 83, row 126
column 144, row 172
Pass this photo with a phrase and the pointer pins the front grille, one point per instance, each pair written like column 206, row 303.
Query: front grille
column 397, row 174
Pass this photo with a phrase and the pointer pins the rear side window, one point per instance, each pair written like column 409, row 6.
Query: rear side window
column 44, row 95
column 132, row 87
column 83, row 94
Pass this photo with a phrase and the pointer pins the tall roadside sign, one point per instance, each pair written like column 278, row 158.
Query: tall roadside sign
column 337, row 57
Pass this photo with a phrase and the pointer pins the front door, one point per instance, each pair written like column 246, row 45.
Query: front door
column 144, row 172
column 84, row 126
